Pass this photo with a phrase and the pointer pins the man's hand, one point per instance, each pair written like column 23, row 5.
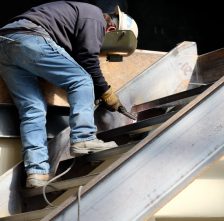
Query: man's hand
column 111, row 100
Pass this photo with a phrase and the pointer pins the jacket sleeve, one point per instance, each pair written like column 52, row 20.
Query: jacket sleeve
column 90, row 35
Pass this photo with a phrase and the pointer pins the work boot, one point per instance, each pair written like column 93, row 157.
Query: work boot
column 37, row 180
column 90, row 146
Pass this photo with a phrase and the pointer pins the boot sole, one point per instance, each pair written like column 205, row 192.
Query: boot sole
column 34, row 183
column 79, row 152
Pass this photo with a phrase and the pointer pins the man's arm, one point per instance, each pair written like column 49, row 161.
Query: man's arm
column 89, row 42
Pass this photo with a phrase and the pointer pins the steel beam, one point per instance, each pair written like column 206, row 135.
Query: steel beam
column 134, row 128
column 9, row 126
column 156, row 169
column 171, row 100
column 170, row 75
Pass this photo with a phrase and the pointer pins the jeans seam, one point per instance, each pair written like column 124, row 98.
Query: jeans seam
column 93, row 137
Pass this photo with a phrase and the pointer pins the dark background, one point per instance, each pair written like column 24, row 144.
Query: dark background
column 162, row 23
column 165, row 23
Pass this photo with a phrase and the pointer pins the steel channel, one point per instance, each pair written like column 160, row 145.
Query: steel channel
column 172, row 74
column 10, row 122
column 174, row 99
column 145, row 178
column 134, row 127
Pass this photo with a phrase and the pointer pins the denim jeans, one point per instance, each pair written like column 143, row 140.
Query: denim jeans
column 23, row 59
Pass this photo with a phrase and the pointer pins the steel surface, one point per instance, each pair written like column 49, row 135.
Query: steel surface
column 9, row 126
column 157, row 168
column 174, row 99
column 134, row 128
column 170, row 75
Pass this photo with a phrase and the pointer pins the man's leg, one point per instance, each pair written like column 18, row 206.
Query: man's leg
column 58, row 67
column 26, row 94
column 32, row 111
column 42, row 57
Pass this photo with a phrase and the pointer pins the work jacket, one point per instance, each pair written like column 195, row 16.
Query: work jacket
column 77, row 27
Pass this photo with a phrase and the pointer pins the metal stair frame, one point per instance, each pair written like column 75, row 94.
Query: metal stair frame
column 145, row 178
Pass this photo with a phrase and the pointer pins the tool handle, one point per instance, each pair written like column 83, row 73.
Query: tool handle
column 123, row 111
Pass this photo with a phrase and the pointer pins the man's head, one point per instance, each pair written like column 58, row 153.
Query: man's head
column 120, row 21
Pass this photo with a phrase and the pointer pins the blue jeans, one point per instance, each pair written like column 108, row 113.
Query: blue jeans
column 24, row 58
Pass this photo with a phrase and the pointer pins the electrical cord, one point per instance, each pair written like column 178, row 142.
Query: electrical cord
column 79, row 189
column 53, row 179
column 79, row 202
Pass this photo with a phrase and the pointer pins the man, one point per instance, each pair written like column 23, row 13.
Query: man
column 59, row 42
